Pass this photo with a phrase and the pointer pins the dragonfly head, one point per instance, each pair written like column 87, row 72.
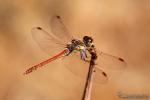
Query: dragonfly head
column 87, row 41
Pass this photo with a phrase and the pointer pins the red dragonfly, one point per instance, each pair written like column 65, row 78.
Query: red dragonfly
column 60, row 44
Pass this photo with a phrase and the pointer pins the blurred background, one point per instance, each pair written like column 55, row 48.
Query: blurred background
column 119, row 27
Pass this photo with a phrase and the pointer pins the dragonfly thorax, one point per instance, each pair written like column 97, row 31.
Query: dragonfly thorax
column 78, row 45
column 75, row 45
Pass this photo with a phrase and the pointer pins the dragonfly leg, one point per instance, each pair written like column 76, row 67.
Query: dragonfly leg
column 82, row 54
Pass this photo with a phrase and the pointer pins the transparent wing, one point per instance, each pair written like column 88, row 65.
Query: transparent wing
column 110, row 62
column 80, row 68
column 77, row 66
column 59, row 29
column 46, row 41
column 100, row 76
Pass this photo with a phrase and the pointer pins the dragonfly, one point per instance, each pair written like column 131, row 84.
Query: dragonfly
column 74, row 53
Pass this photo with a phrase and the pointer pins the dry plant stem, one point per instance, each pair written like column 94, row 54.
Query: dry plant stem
column 88, row 84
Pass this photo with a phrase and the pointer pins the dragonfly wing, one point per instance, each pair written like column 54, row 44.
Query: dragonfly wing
column 108, row 61
column 46, row 41
column 80, row 68
column 59, row 29
column 75, row 65
column 100, row 77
